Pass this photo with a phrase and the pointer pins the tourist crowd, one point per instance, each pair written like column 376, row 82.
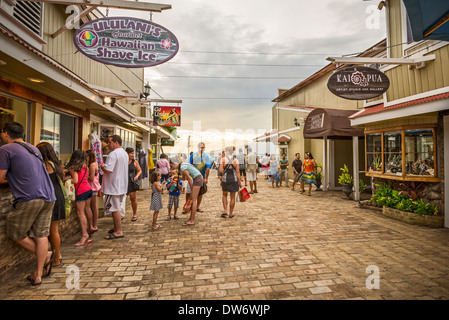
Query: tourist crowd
column 40, row 186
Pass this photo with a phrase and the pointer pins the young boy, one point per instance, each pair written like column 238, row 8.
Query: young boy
column 174, row 185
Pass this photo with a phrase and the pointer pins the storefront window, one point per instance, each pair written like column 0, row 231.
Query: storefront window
column 12, row 109
column 405, row 154
column 419, row 152
column 393, row 152
column 374, row 152
column 58, row 130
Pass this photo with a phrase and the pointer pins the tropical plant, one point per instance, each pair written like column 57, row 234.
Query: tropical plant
column 319, row 171
column 406, row 204
column 345, row 177
column 423, row 209
column 412, row 189
column 362, row 185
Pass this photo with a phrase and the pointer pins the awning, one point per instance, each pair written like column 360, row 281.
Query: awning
column 428, row 19
column 330, row 123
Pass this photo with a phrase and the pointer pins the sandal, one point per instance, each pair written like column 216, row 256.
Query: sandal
column 186, row 224
column 168, row 218
column 134, row 219
column 156, row 227
column 232, row 216
column 301, row 191
column 113, row 236
column 33, row 281
column 49, row 265
column 80, row 244
column 176, row 217
column 224, row 215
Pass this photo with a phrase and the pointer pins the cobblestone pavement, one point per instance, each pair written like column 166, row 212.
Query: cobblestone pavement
column 280, row 245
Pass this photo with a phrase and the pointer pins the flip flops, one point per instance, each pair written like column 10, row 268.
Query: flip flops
column 156, row 227
column 49, row 264
column 112, row 236
column 186, row 224
column 33, row 281
column 81, row 244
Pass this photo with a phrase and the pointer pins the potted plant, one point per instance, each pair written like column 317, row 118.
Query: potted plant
column 318, row 176
column 346, row 180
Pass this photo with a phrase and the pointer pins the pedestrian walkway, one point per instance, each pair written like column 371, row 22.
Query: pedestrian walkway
column 280, row 245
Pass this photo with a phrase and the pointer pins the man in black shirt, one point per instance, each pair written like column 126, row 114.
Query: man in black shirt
column 297, row 169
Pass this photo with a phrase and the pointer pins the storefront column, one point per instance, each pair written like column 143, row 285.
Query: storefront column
column 355, row 163
column 446, row 171
column 325, row 165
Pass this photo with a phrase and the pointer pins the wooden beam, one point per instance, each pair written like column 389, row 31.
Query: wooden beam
column 72, row 22
column 118, row 4
column 368, row 60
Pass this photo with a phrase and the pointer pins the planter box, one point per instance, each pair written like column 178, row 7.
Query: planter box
column 413, row 218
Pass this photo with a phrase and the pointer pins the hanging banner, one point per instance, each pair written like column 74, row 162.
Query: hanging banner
column 126, row 42
column 167, row 116
column 358, row 83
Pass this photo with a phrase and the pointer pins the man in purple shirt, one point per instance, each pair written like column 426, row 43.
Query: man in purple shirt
column 28, row 223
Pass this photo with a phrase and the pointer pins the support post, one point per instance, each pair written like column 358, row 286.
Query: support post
column 355, row 162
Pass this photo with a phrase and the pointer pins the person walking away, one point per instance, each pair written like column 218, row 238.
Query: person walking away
column 308, row 175
column 242, row 164
column 156, row 197
column 94, row 182
column 273, row 169
column 251, row 170
column 28, row 224
column 77, row 167
column 283, row 170
column 297, row 170
column 56, row 174
column 231, row 182
column 134, row 172
column 221, row 156
column 202, row 162
column 174, row 186
column 195, row 180
column 265, row 165
column 115, row 183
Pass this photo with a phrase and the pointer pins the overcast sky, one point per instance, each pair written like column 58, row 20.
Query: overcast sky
column 222, row 33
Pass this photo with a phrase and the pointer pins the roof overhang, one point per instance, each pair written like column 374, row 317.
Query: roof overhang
column 429, row 19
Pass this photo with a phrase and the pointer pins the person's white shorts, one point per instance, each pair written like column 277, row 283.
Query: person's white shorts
column 114, row 203
column 250, row 176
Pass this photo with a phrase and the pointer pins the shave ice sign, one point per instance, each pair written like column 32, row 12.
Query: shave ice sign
column 126, row 42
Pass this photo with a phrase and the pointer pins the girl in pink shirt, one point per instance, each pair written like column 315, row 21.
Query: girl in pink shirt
column 80, row 173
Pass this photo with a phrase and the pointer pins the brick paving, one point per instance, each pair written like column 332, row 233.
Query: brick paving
column 280, row 245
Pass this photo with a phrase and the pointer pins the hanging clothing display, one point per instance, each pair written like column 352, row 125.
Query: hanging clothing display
column 96, row 147
column 143, row 164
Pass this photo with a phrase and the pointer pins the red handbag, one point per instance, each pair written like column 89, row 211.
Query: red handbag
column 243, row 195
column 187, row 206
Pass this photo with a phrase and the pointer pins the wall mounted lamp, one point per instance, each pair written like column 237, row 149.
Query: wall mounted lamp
column 146, row 91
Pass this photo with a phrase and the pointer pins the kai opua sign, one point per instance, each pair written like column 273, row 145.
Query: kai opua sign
column 126, row 42
column 358, row 83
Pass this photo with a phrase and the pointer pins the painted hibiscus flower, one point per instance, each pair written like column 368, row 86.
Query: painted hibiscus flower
column 166, row 43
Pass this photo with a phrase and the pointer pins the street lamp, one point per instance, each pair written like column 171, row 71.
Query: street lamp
column 146, row 91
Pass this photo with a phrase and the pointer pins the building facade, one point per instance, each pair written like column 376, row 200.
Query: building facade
column 57, row 94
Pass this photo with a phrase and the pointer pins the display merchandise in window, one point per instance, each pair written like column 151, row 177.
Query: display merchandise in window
column 419, row 152
column 374, row 152
column 393, row 152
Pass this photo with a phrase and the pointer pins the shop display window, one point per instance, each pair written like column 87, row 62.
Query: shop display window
column 374, row 152
column 419, row 152
column 393, row 152
column 12, row 109
column 58, row 130
column 404, row 153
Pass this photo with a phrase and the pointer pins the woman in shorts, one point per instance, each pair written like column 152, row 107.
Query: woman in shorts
column 83, row 191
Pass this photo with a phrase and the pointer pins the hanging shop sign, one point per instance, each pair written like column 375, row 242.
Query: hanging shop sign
column 167, row 116
column 126, row 42
column 358, row 83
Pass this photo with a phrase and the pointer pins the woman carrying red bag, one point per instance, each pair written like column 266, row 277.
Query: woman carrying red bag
column 229, row 168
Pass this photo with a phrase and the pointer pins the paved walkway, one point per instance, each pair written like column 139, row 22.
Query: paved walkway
column 280, row 245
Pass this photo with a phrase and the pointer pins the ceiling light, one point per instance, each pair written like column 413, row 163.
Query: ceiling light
column 36, row 80
column 79, row 100
column 107, row 100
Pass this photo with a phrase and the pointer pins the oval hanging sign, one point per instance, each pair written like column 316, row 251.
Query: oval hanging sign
column 358, row 83
column 126, row 42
